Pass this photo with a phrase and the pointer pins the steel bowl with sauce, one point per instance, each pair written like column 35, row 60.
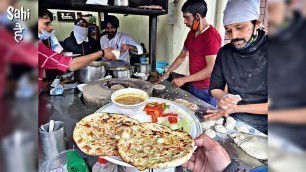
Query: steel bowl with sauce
column 130, row 101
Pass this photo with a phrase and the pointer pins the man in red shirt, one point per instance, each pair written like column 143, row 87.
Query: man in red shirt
column 202, row 43
column 49, row 59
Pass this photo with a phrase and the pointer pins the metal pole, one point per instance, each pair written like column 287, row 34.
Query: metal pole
column 152, row 41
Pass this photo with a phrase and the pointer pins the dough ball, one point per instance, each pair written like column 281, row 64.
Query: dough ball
column 205, row 125
column 229, row 125
column 210, row 133
column 212, row 123
column 221, row 129
column 219, row 121
column 230, row 120
column 238, row 139
column 243, row 129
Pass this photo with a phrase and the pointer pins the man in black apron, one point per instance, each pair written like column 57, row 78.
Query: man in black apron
column 242, row 65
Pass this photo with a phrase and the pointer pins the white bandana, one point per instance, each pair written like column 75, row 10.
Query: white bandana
column 80, row 34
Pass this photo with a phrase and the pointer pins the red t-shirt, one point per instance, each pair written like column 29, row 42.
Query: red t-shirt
column 205, row 44
column 49, row 59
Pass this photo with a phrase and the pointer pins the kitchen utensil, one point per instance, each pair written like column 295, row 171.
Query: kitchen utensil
column 96, row 70
column 51, row 126
column 143, row 68
column 141, row 76
column 19, row 151
column 53, row 142
column 121, row 73
column 120, row 69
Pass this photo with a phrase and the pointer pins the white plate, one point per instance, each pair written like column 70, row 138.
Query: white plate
column 194, row 131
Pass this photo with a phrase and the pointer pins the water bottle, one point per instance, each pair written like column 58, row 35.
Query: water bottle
column 104, row 166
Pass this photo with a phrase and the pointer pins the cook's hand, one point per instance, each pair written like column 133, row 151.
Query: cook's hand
column 124, row 47
column 210, row 156
column 163, row 77
column 215, row 114
column 108, row 54
column 227, row 101
column 179, row 82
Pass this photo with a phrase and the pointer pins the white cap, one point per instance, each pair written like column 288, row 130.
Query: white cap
column 238, row 11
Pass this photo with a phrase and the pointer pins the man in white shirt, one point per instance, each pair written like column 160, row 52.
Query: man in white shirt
column 117, row 40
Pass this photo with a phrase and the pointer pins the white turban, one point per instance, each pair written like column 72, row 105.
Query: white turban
column 238, row 11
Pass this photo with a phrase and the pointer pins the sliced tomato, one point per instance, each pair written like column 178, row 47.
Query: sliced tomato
column 150, row 112
column 150, row 108
column 160, row 112
column 172, row 119
column 154, row 118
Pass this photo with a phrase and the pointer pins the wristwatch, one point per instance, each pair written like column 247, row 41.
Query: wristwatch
column 232, row 167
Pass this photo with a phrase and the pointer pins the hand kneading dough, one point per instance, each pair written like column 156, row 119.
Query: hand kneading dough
column 221, row 129
column 219, row 121
column 243, row 129
column 211, row 133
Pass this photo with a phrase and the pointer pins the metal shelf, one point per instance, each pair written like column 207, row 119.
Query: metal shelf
column 106, row 8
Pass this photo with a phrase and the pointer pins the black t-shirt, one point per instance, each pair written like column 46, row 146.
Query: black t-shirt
column 245, row 72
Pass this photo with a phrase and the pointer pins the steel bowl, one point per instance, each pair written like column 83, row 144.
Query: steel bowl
column 95, row 71
column 130, row 110
column 143, row 68
column 141, row 76
column 121, row 72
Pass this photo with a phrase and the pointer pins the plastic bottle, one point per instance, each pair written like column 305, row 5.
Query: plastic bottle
column 104, row 166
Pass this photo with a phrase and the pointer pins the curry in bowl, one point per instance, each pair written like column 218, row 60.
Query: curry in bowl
column 129, row 99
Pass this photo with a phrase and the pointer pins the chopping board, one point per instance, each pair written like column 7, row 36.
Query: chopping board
column 98, row 93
